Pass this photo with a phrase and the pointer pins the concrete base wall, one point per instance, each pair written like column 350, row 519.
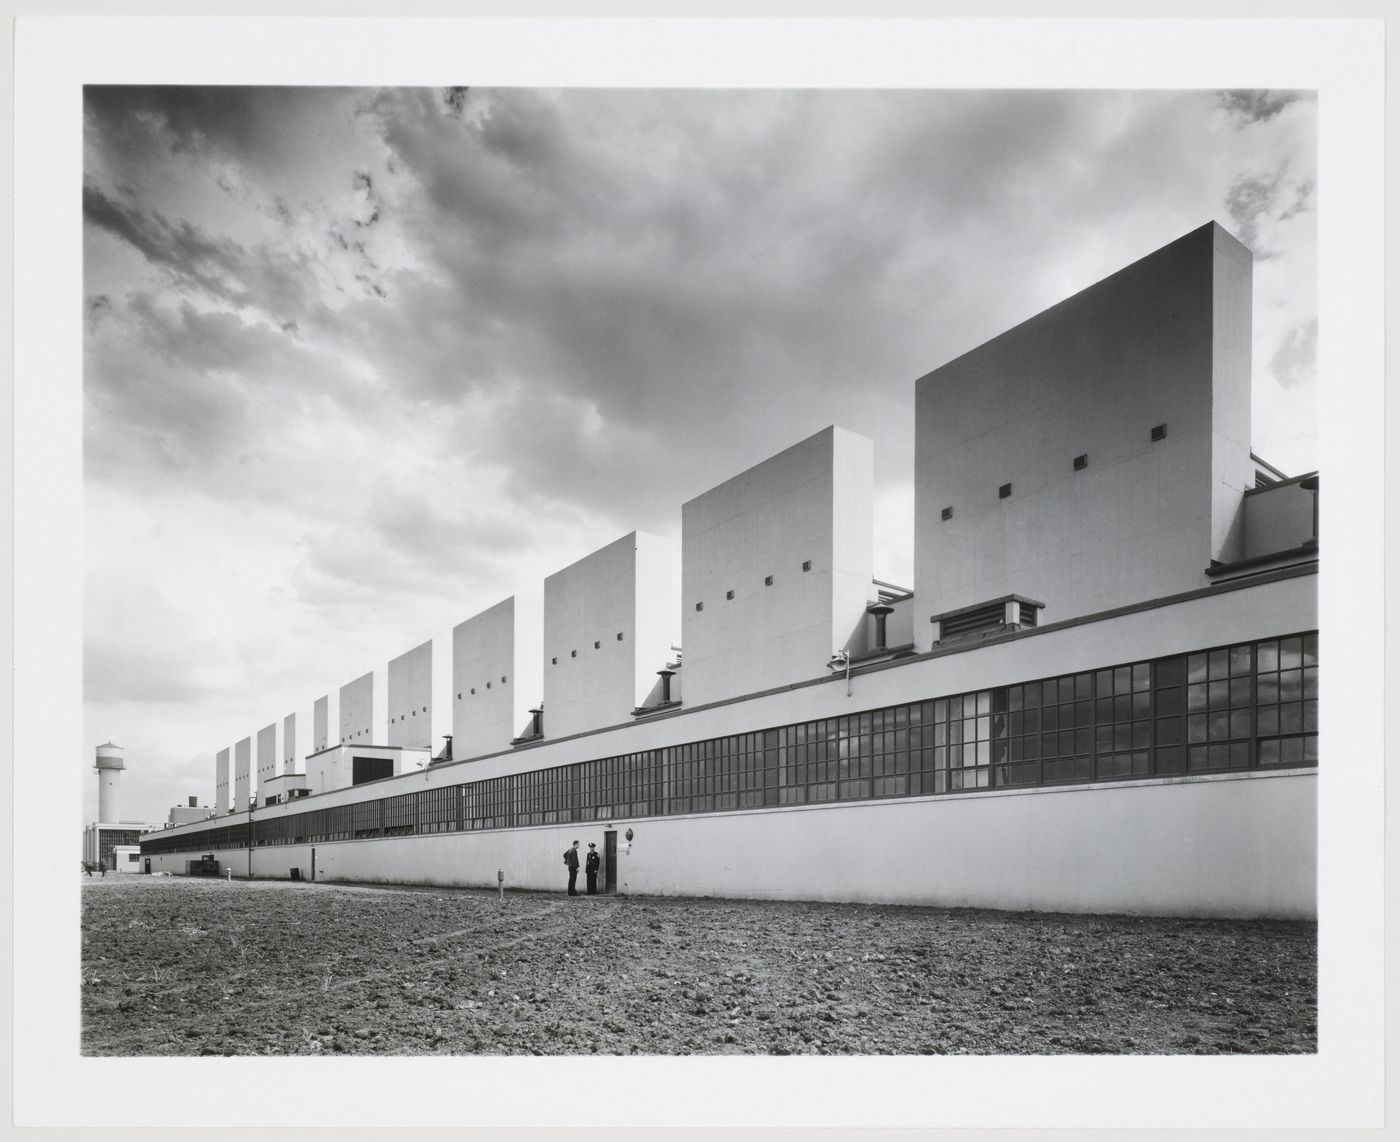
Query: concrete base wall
column 1228, row 846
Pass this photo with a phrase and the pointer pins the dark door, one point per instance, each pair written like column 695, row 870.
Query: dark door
column 610, row 861
column 313, row 864
column 148, row 866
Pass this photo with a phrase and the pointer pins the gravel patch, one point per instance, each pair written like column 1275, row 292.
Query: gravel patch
column 175, row 966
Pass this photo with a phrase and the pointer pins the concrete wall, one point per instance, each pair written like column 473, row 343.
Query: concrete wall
column 363, row 703
column 323, row 721
column 267, row 754
column 333, row 769
column 221, row 786
column 1157, row 847
column 497, row 675
column 1164, row 341
column 296, row 736
column 127, row 859
column 606, row 633
column 1277, row 518
column 187, row 814
column 242, row 773
column 410, row 690
column 810, row 504
column 281, row 787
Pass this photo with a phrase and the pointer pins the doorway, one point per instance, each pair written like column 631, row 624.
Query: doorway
column 313, row 864
column 610, row 861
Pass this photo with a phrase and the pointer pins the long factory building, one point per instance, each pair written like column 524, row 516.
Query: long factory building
column 1099, row 695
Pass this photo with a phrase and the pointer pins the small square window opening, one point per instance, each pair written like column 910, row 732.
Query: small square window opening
column 1004, row 491
column 947, row 513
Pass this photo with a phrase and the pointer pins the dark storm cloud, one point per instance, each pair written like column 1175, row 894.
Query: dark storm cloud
column 184, row 251
column 1255, row 106
column 245, row 123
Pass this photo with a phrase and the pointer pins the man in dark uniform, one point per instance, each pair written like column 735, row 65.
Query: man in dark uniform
column 571, row 859
column 591, row 867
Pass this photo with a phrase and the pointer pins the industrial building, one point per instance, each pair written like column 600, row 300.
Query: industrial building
column 111, row 843
column 1099, row 693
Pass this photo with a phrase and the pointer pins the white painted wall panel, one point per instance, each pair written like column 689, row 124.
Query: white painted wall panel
column 222, row 791
column 242, row 773
column 363, row 703
column 1232, row 845
column 605, row 634
column 266, row 754
column 324, row 720
column 497, row 676
column 810, row 504
column 1164, row 341
column 410, row 681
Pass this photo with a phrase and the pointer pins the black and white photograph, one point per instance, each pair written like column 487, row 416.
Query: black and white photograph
column 586, row 567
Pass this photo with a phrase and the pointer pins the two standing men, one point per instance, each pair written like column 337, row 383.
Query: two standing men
column 590, row 867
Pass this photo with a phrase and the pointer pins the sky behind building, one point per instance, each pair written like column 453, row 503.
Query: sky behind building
column 361, row 363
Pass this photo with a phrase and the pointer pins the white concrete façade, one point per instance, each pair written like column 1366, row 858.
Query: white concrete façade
column 1099, row 696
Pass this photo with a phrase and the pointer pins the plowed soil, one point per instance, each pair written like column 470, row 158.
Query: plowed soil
column 175, row 966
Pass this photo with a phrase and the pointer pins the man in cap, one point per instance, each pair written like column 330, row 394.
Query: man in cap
column 591, row 866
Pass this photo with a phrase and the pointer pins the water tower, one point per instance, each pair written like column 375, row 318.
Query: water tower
column 109, row 772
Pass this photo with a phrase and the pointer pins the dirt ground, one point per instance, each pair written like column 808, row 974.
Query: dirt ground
column 175, row 966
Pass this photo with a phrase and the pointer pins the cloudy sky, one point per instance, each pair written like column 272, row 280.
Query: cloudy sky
column 359, row 363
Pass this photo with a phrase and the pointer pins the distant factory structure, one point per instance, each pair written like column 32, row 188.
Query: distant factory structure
column 113, row 843
column 1099, row 693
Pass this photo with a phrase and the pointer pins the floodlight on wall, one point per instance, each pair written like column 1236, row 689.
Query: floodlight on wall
column 841, row 660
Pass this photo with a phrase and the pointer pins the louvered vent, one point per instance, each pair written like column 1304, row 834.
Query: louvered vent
column 988, row 617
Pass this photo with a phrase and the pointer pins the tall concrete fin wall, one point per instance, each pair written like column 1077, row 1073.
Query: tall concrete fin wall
column 324, row 720
column 606, row 633
column 1163, row 342
column 242, row 773
column 267, row 754
column 291, row 760
column 1232, row 470
column 410, row 680
column 363, row 702
column 496, row 674
column 776, row 568
column 221, row 775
